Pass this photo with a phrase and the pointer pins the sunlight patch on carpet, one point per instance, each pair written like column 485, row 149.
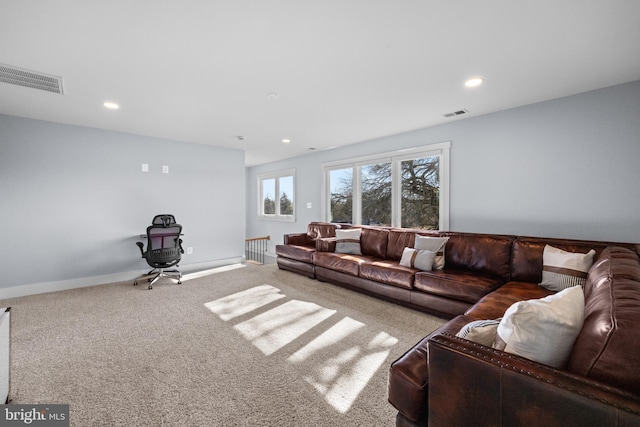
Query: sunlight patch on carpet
column 244, row 302
column 341, row 379
column 279, row 326
column 338, row 361
column 209, row 272
column 330, row 337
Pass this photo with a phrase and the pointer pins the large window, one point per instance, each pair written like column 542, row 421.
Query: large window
column 406, row 188
column 276, row 195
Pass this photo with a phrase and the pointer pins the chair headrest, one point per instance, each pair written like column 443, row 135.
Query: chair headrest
column 164, row 219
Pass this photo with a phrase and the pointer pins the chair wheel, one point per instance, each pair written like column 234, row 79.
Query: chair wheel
column 135, row 283
column 150, row 287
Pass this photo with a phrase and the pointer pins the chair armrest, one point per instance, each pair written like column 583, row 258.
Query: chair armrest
column 180, row 245
column 141, row 246
column 471, row 384
column 326, row 244
column 298, row 239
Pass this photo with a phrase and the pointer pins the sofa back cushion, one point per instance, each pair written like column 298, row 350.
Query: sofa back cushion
column 317, row 230
column 485, row 253
column 373, row 241
column 526, row 260
column 400, row 238
column 608, row 345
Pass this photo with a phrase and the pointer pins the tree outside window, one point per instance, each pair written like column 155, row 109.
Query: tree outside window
column 399, row 190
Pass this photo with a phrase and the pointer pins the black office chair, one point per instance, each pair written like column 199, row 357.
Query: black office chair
column 164, row 250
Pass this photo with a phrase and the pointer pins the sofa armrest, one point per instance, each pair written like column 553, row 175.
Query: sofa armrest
column 299, row 239
column 471, row 384
column 326, row 244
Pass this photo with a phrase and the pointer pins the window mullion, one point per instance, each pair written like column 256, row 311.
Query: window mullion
column 277, row 197
column 357, row 195
column 396, row 194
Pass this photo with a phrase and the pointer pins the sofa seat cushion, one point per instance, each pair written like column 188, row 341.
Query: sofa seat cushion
column 299, row 253
column 495, row 304
column 409, row 377
column 608, row 345
column 462, row 285
column 389, row 272
column 344, row 263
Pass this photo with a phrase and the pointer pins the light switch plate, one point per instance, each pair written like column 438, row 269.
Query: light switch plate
column 145, row 167
column 165, row 169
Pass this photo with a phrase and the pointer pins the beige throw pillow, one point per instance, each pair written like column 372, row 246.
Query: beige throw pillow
column 348, row 241
column 421, row 259
column 545, row 329
column 433, row 244
column 562, row 269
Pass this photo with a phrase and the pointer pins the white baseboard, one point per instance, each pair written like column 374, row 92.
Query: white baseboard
column 63, row 285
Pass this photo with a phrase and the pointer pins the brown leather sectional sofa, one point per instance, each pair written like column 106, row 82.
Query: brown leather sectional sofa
column 449, row 381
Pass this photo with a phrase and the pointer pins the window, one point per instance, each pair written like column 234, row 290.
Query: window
column 405, row 188
column 276, row 195
column 341, row 197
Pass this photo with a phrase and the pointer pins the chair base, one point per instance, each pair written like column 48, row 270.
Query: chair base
column 156, row 274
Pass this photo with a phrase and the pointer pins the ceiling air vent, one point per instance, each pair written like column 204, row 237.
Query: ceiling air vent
column 32, row 79
column 457, row 113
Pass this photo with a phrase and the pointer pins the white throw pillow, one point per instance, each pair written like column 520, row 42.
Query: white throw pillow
column 562, row 269
column 433, row 244
column 421, row 259
column 348, row 241
column 480, row 331
column 543, row 330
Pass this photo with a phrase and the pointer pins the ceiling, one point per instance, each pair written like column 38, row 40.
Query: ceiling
column 322, row 74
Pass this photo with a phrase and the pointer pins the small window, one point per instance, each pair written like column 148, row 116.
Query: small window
column 276, row 195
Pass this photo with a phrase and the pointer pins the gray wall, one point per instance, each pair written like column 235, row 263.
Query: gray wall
column 569, row 167
column 73, row 202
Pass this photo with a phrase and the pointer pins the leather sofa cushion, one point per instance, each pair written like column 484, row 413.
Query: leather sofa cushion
column 526, row 259
column 457, row 284
column 482, row 253
column 373, row 242
column 400, row 238
column 316, row 230
column 344, row 263
column 299, row 253
column 494, row 305
column 609, row 343
column 388, row 272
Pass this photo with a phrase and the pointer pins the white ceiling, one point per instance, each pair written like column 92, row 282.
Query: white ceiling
column 345, row 71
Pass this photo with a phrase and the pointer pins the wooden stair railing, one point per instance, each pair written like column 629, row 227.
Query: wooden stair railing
column 255, row 249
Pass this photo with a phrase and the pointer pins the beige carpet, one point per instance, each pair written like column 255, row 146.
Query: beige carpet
column 251, row 346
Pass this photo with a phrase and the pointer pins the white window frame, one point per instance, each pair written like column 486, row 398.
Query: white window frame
column 441, row 149
column 276, row 175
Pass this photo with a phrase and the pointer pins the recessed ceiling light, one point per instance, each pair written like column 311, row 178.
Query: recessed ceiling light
column 110, row 105
column 273, row 95
column 474, row 82
column 286, row 141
